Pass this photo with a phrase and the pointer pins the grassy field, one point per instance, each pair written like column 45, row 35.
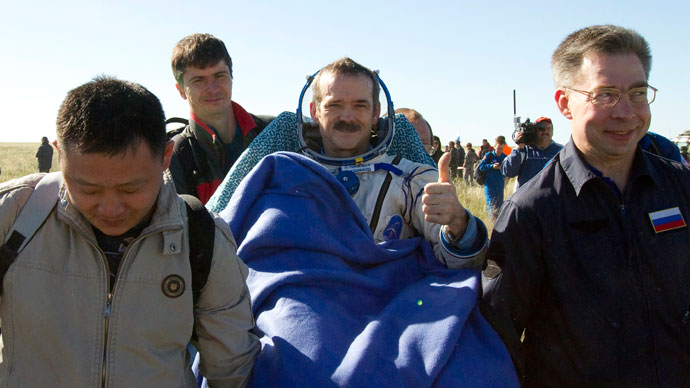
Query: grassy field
column 18, row 159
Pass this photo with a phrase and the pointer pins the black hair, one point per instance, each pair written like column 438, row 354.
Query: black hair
column 110, row 116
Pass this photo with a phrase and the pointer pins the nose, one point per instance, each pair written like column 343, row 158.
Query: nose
column 110, row 205
column 623, row 109
column 347, row 114
column 213, row 84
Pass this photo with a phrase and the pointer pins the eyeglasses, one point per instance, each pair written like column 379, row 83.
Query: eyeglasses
column 609, row 97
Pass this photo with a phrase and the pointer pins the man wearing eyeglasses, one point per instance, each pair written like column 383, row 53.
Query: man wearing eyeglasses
column 528, row 159
column 589, row 262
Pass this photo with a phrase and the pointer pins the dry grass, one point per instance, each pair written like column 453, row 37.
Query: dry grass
column 472, row 198
column 19, row 159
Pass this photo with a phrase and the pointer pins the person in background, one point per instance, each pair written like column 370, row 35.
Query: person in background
column 454, row 160
column 461, row 158
column 44, row 155
column 420, row 125
column 485, row 148
column 437, row 152
column 528, row 159
column 470, row 159
column 506, row 148
column 219, row 129
column 494, row 182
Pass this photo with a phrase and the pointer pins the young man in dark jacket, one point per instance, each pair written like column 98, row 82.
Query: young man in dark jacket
column 219, row 129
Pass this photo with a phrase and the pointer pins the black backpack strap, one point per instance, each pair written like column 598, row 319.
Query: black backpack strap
column 177, row 120
column 382, row 195
column 202, row 232
column 187, row 152
column 8, row 252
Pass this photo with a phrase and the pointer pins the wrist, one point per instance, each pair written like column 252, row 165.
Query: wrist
column 454, row 231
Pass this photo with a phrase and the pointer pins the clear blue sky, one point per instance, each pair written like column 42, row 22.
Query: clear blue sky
column 456, row 62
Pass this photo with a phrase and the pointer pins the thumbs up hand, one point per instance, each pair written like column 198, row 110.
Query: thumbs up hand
column 441, row 204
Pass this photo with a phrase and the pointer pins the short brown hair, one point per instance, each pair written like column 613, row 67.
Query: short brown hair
column 603, row 39
column 198, row 50
column 345, row 66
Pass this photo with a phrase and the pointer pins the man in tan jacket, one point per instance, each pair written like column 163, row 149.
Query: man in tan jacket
column 101, row 295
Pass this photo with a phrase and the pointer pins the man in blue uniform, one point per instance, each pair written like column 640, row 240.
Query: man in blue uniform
column 494, row 182
column 590, row 260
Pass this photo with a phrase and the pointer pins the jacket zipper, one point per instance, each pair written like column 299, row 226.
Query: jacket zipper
column 109, row 299
column 107, row 324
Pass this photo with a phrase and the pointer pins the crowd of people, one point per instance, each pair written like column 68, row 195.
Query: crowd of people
column 337, row 252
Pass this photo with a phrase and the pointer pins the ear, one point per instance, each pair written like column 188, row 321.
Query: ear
column 563, row 102
column 167, row 154
column 181, row 90
column 377, row 111
column 312, row 112
column 59, row 151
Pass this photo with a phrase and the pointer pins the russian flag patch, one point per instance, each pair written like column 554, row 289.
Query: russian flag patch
column 668, row 219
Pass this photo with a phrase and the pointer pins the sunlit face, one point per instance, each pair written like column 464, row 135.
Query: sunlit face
column 423, row 132
column 208, row 90
column 544, row 134
column 114, row 193
column 345, row 114
column 498, row 148
column 606, row 135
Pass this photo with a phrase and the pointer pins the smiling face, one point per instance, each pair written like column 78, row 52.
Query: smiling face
column 345, row 114
column 114, row 193
column 606, row 135
column 208, row 90
column 544, row 134
column 498, row 148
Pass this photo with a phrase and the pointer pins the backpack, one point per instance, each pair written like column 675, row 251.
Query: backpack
column 479, row 175
column 202, row 230
column 188, row 153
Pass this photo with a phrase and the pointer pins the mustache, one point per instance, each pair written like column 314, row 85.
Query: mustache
column 346, row 126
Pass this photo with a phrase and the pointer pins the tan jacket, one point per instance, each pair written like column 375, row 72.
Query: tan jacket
column 55, row 332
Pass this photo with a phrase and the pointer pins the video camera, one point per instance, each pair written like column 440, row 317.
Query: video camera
column 529, row 131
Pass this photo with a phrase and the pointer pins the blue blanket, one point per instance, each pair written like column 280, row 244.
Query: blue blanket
column 334, row 309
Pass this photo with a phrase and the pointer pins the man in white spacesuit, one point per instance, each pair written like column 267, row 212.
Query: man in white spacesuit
column 399, row 198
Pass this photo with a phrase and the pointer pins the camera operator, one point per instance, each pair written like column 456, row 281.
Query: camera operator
column 535, row 148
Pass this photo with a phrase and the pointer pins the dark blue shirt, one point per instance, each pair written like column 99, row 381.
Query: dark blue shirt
column 603, row 299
